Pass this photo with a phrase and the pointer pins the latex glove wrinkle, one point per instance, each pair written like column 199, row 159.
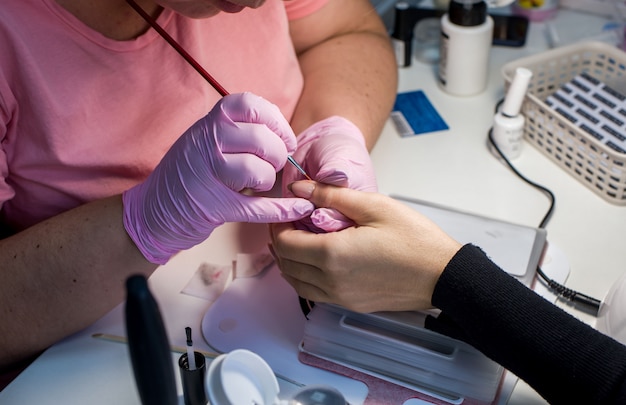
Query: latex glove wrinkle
column 240, row 144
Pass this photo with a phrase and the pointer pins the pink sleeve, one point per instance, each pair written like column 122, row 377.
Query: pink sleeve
column 6, row 191
column 302, row 8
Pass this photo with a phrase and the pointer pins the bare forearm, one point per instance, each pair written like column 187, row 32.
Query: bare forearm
column 59, row 276
column 352, row 74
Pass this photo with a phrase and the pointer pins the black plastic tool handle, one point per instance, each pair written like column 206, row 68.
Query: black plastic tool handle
column 148, row 345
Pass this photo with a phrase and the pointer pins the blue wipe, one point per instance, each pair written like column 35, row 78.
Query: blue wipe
column 413, row 114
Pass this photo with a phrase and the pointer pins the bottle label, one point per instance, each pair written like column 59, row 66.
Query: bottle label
column 443, row 57
column 399, row 49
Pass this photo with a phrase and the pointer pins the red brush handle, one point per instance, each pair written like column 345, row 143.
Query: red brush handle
column 178, row 48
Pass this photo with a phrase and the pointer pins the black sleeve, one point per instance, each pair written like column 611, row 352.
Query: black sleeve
column 563, row 359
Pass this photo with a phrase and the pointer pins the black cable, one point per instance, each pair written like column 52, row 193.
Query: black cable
column 587, row 304
column 583, row 302
column 547, row 191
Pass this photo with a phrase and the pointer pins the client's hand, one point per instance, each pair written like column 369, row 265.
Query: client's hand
column 240, row 144
column 390, row 261
column 332, row 151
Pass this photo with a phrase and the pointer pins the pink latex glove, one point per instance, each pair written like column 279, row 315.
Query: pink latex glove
column 331, row 151
column 240, row 144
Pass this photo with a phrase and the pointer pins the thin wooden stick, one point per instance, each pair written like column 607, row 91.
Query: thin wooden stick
column 176, row 349
column 180, row 349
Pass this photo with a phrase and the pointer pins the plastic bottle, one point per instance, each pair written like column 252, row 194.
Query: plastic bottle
column 466, row 35
column 508, row 123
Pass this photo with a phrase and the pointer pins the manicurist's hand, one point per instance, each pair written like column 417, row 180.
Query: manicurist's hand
column 240, row 144
column 332, row 151
column 389, row 261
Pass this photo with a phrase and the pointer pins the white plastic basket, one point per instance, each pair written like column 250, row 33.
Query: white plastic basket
column 600, row 168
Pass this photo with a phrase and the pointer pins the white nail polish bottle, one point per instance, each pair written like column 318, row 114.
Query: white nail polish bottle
column 508, row 123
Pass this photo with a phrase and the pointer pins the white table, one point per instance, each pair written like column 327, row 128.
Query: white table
column 455, row 168
column 451, row 168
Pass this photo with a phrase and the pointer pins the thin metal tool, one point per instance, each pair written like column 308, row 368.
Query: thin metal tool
column 297, row 166
column 205, row 75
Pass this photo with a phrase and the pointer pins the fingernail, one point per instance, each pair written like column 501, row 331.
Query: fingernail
column 302, row 189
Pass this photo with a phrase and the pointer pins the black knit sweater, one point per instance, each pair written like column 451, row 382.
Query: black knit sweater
column 565, row 360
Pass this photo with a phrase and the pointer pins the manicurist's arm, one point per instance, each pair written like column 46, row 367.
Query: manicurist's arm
column 349, row 67
column 62, row 274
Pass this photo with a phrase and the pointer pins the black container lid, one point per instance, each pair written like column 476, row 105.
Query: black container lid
column 467, row 13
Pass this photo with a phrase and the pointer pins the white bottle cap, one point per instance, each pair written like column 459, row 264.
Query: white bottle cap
column 517, row 91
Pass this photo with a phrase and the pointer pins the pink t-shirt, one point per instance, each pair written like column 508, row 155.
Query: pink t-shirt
column 83, row 117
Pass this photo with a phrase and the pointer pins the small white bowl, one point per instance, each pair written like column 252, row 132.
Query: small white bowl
column 241, row 377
